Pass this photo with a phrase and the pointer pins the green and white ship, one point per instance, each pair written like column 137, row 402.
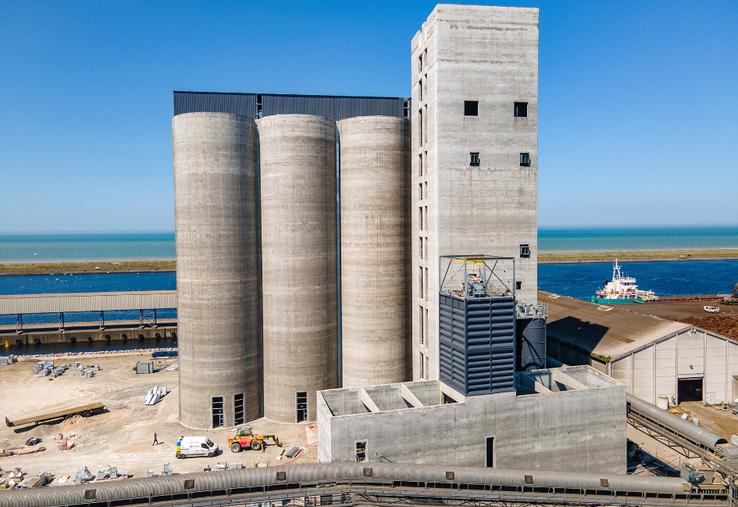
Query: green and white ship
column 622, row 290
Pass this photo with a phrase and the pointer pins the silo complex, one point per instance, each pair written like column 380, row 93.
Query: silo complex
column 218, row 315
column 374, row 250
column 299, row 284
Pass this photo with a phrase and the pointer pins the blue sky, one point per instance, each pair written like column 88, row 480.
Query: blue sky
column 638, row 100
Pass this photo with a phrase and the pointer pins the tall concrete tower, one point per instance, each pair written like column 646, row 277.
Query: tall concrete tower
column 215, row 189
column 474, row 152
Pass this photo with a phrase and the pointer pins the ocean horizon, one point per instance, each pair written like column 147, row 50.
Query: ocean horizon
column 89, row 246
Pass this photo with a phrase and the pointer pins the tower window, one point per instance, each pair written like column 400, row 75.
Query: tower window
column 216, row 406
column 301, row 399
column 525, row 160
column 518, row 285
column 238, row 408
column 361, row 451
column 474, row 158
column 524, row 251
column 471, row 108
column 521, row 110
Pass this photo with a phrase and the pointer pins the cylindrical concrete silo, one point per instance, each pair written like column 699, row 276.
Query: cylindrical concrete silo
column 299, row 284
column 215, row 188
column 375, row 250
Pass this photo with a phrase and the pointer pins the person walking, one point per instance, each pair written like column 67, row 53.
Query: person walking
column 156, row 440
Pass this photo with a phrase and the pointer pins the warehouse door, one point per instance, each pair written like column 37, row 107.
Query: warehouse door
column 689, row 389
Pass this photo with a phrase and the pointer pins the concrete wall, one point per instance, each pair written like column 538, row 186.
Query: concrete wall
column 215, row 190
column 578, row 431
column 299, row 270
column 652, row 372
column 489, row 55
column 375, row 259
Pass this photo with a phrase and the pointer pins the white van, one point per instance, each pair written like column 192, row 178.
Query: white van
column 195, row 446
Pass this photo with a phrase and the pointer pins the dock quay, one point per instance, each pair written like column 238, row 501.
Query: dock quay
column 147, row 326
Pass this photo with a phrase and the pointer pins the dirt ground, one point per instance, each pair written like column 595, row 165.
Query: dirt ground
column 693, row 313
column 122, row 437
column 721, row 422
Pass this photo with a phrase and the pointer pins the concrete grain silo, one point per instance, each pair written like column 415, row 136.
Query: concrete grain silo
column 215, row 183
column 374, row 250
column 298, row 224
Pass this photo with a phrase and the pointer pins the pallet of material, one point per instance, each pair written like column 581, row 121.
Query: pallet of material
column 84, row 410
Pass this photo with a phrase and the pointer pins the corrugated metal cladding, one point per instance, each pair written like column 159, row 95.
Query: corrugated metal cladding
column 265, row 104
column 198, row 102
column 477, row 344
column 87, row 302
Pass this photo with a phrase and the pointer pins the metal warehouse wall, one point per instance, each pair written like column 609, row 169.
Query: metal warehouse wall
column 267, row 104
column 653, row 371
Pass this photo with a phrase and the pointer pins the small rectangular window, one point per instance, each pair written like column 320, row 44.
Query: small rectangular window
column 422, row 366
column 524, row 251
column 425, row 326
column 420, row 164
column 518, row 285
column 420, row 89
column 525, row 160
column 420, row 62
column 471, row 108
column 490, row 452
column 521, row 110
column 420, row 125
column 216, row 406
column 301, row 399
column 361, row 451
column 425, row 281
column 474, row 158
column 238, row 409
column 422, row 327
column 420, row 191
column 420, row 280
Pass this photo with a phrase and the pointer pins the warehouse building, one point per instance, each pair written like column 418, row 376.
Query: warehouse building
column 659, row 361
column 570, row 418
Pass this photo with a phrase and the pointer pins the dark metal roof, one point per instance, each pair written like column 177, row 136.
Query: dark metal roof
column 257, row 105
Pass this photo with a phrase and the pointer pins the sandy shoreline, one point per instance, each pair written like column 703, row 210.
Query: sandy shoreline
column 544, row 257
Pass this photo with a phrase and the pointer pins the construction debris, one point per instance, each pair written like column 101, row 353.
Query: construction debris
column 83, row 476
column 155, row 394
column 145, row 366
column 6, row 360
column 172, row 367
column 41, row 479
column 109, row 472
column 33, row 441
column 222, row 465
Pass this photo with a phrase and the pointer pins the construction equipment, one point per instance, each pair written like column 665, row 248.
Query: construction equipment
column 246, row 439
column 86, row 410
column 732, row 299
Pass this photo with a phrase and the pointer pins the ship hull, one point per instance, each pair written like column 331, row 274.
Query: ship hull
column 619, row 301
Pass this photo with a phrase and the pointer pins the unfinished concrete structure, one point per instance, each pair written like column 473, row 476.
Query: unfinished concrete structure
column 215, row 190
column 560, row 419
column 375, row 262
column 474, row 152
column 299, row 270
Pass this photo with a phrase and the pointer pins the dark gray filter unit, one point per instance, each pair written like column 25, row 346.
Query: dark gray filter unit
column 531, row 345
column 477, row 344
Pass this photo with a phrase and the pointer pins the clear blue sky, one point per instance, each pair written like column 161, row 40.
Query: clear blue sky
column 638, row 100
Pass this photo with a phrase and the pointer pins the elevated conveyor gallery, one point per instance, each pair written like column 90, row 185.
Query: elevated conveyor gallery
column 364, row 483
